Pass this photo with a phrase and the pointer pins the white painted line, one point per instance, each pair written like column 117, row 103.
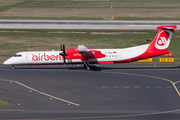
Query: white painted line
column 66, row 101
column 173, row 83
column 147, row 87
column 176, row 89
column 176, row 82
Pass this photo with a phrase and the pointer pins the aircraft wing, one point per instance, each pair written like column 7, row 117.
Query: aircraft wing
column 83, row 53
column 83, row 49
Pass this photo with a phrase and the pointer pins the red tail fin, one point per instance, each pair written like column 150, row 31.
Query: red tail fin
column 161, row 41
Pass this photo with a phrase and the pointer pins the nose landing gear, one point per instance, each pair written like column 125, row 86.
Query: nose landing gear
column 13, row 67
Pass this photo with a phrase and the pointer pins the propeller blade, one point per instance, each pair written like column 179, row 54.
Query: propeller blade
column 64, row 59
column 63, row 53
column 64, row 48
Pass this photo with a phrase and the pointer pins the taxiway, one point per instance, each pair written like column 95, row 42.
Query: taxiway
column 118, row 91
column 84, row 24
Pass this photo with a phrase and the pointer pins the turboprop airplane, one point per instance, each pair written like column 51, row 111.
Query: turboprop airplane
column 86, row 56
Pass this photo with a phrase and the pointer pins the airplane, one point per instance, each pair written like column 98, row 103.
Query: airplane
column 86, row 56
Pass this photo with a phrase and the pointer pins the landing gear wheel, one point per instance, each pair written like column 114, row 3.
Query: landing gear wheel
column 13, row 67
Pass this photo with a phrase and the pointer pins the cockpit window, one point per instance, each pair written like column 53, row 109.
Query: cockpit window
column 17, row 55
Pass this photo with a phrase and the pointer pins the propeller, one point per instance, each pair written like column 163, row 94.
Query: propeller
column 63, row 53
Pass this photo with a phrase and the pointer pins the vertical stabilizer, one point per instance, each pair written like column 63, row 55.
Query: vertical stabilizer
column 161, row 41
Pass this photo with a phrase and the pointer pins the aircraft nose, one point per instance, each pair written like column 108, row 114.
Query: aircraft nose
column 7, row 62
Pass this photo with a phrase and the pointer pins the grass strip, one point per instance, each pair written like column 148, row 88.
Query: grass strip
column 92, row 10
column 50, row 18
column 13, row 41
column 85, row 18
column 2, row 60
column 4, row 8
column 4, row 103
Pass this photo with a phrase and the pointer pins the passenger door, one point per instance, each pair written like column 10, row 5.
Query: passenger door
column 119, row 56
column 29, row 58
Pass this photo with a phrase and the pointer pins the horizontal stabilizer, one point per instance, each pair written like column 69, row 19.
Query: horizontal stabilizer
column 167, row 27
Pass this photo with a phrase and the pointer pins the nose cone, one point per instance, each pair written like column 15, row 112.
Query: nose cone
column 7, row 62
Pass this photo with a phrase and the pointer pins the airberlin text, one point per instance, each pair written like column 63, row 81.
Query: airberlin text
column 42, row 57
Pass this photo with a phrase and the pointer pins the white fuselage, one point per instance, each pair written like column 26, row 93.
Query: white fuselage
column 53, row 57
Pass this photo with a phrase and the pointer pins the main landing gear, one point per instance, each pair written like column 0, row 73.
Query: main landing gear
column 86, row 65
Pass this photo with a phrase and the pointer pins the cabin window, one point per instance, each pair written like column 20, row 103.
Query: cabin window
column 17, row 55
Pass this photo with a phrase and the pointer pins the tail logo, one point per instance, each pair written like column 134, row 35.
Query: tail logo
column 163, row 39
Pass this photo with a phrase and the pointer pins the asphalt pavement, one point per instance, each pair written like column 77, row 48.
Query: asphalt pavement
column 118, row 91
